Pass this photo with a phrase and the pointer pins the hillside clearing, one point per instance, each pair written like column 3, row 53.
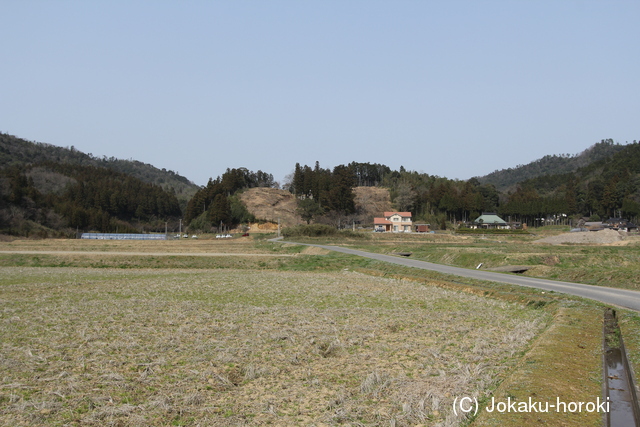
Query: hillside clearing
column 271, row 204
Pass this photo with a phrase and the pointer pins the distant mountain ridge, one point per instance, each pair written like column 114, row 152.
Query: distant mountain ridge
column 16, row 151
column 51, row 190
column 551, row 165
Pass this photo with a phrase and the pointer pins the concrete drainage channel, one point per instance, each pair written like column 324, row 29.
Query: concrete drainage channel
column 619, row 388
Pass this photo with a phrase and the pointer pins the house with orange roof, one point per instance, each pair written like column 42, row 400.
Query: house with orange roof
column 396, row 222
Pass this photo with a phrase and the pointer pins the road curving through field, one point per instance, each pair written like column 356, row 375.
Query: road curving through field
column 618, row 297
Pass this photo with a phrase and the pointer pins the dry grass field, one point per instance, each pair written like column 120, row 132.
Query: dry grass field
column 139, row 347
column 249, row 332
column 238, row 245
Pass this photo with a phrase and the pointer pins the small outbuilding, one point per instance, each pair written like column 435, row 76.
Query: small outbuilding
column 422, row 228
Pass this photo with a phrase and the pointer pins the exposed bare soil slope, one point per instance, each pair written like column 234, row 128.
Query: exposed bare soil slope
column 372, row 201
column 270, row 204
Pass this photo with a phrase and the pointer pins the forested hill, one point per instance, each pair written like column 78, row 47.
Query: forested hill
column 551, row 165
column 617, row 175
column 52, row 191
column 19, row 152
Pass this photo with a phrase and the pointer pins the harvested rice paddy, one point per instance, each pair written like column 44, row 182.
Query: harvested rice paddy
column 229, row 347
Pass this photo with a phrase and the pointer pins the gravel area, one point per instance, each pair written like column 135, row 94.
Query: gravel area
column 601, row 237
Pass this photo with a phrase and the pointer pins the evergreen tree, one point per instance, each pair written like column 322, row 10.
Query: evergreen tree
column 308, row 209
column 220, row 212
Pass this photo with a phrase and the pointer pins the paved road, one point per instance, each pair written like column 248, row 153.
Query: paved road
column 620, row 297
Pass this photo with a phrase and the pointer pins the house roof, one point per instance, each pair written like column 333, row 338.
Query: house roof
column 381, row 221
column 489, row 219
column 402, row 214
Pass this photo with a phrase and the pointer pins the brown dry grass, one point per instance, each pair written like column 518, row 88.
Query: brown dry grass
column 372, row 201
column 194, row 347
column 602, row 237
column 312, row 250
column 243, row 245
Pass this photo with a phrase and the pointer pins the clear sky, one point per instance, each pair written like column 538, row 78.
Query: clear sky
column 450, row 88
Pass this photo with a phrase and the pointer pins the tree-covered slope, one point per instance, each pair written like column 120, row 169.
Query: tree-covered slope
column 609, row 187
column 48, row 190
column 16, row 151
column 551, row 165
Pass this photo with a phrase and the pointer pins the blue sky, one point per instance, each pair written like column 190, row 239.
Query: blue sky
column 449, row 88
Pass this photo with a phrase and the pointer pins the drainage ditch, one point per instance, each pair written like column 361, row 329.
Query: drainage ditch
column 618, row 378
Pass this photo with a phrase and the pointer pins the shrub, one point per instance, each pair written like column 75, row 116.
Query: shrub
column 312, row 230
column 462, row 230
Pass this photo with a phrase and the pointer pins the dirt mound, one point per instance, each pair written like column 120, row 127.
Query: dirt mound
column 265, row 226
column 372, row 201
column 269, row 204
column 602, row 237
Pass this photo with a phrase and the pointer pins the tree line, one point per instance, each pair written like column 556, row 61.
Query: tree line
column 605, row 187
column 67, row 189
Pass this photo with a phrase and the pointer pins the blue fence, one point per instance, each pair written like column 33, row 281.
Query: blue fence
column 123, row 236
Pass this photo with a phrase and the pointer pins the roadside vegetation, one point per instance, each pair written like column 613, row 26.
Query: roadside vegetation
column 612, row 265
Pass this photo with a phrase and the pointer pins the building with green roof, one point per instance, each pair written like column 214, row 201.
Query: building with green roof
column 490, row 220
